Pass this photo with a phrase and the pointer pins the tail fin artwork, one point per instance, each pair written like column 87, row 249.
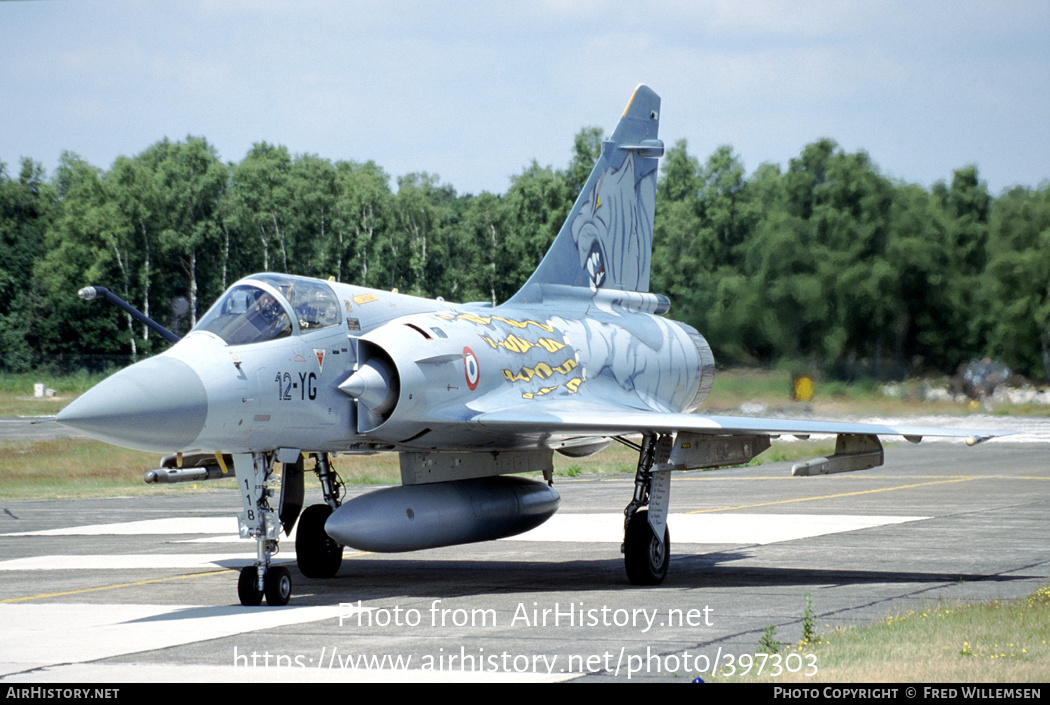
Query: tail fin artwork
column 606, row 242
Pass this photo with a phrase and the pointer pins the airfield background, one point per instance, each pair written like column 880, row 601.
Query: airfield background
column 827, row 261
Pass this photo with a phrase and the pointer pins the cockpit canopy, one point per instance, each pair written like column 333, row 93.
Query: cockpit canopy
column 270, row 306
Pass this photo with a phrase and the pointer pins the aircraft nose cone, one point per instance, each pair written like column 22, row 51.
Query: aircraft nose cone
column 157, row 405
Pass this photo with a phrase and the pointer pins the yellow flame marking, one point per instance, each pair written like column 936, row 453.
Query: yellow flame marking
column 487, row 320
column 540, row 393
column 541, row 370
column 519, row 345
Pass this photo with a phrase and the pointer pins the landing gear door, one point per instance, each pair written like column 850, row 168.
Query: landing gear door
column 659, row 500
column 292, row 491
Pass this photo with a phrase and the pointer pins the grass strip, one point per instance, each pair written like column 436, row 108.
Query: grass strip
column 998, row 641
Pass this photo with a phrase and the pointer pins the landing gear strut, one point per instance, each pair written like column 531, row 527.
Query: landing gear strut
column 260, row 522
column 318, row 555
column 647, row 541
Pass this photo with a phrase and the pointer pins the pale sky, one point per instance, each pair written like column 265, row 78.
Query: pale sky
column 475, row 91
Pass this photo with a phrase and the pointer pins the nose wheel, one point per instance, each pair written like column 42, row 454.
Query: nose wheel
column 260, row 522
column 318, row 555
column 277, row 586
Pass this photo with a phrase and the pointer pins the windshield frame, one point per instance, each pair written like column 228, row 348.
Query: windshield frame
column 305, row 291
column 236, row 323
column 234, row 327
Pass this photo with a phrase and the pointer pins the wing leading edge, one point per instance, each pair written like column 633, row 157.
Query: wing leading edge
column 591, row 419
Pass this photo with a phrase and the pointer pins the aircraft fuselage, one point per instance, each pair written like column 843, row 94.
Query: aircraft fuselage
column 378, row 370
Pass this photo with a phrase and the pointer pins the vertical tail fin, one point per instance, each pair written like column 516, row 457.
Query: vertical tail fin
column 606, row 242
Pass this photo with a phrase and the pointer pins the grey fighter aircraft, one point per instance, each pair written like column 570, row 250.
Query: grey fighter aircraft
column 291, row 370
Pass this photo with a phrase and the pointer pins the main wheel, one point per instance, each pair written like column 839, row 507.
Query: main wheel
column 316, row 553
column 278, row 586
column 248, row 587
column 645, row 558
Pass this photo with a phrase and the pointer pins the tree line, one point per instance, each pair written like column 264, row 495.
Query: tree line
column 825, row 263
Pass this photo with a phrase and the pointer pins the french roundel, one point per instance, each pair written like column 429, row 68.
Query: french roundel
column 470, row 367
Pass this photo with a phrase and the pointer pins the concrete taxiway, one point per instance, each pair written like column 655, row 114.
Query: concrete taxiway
column 34, row 428
column 144, row 589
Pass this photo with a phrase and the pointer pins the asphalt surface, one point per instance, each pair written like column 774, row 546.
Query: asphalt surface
column 39, row 428
column 144, row 589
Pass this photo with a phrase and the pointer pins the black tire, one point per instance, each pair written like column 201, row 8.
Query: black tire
column 248, row 587
column 278, row 582
column 644, row 557
column 316, row 553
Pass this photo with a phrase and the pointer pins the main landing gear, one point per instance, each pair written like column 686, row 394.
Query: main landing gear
column 317, row 555
column 646, row 540
column 646, row 545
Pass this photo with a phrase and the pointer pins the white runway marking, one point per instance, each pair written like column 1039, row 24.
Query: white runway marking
column 62, row 642
column 196, row 525
column 709, row 528
column 1025, row 429
column 137, row 561
column 580, row 528
column 68, row 633
column 53, row 642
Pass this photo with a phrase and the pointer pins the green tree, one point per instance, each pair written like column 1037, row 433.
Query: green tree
column 192, row 181
column 364, row 207
column 25, row 211
column 586, row 148
column 259, row 203
column 75, row 255
column 1019, row 280
column 826, row 261
column 480, row 262
column 313, row 186
column 534, row 199
column 421, row 210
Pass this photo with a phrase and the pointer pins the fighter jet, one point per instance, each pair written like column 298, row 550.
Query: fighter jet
column 286, row 370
